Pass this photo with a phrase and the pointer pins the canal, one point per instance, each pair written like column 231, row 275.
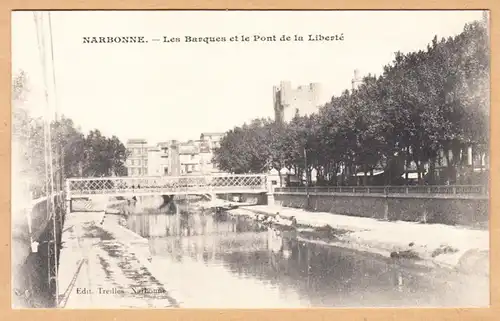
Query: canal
column 223, row 261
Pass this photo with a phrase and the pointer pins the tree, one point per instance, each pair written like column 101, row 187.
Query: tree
column 103, row 156
column 426, row 104
column 73, row 153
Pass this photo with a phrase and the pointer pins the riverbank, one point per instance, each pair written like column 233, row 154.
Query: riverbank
column 104, row 265
column 437, row 245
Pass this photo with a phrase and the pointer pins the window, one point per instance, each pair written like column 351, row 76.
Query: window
column 192, row 156
column 146, row 163
column 165, row 171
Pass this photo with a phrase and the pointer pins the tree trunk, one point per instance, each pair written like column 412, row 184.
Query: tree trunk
column 342, row 173
column 407, row 161
column 449, row 166
column 365, row 175
column 420, row 172
column 432, row 171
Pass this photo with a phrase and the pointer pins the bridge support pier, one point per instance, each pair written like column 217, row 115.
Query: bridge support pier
column 69, row 209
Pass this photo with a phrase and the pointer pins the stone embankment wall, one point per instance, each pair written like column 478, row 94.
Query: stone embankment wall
column 30, row 281
column 257, row 199
column 451, row 210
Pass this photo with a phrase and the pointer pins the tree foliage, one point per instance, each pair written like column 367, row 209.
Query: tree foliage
column 74, row 154
column 426, row 109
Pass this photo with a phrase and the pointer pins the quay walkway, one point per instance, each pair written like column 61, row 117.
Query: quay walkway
column 106, row 266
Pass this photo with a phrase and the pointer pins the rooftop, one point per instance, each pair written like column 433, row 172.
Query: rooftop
column 137, row 141
column 211, row 134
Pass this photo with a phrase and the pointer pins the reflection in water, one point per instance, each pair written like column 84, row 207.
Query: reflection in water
column 223, row 261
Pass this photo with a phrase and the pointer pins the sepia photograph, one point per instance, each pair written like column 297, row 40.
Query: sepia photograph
column 250, row 159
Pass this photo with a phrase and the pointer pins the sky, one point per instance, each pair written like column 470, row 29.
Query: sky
column 160, row 91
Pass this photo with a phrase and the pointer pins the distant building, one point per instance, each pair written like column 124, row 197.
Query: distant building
column 288, row 101
column 175, row 165
column 356, row 80
column 209, row 143
column 173, row 158
column 163, row 159
column 137, row 161
column 195, row 156
column 213, row 139
column 155, row 164
column 189, row 157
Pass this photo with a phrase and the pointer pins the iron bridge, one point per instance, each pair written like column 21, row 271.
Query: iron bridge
column 132, row 186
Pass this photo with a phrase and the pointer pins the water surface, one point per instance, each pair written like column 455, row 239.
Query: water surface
column 234, row 262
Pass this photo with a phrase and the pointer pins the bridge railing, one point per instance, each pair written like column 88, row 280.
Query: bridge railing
column 166, row 184
column 432, row 189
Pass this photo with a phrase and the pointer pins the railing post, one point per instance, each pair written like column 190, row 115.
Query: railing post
column 68, row 197
column 270, row 190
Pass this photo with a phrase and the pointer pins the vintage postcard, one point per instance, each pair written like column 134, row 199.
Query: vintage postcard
column 250, row 159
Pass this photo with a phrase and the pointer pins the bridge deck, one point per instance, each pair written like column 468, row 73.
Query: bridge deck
column 151, row 192
column 122, row 186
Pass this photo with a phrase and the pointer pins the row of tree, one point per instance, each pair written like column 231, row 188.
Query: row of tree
column 74, row 154
column 428, row 108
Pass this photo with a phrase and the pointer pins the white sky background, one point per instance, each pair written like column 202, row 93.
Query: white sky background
column 162, row 91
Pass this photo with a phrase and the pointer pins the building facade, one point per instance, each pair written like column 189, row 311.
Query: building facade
column 173, row 158
column 356, row 80
column 195, row 156
column 288, row 101
column 137, row 161
column 189, row 157
column 211, row 141
column 163, row 159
